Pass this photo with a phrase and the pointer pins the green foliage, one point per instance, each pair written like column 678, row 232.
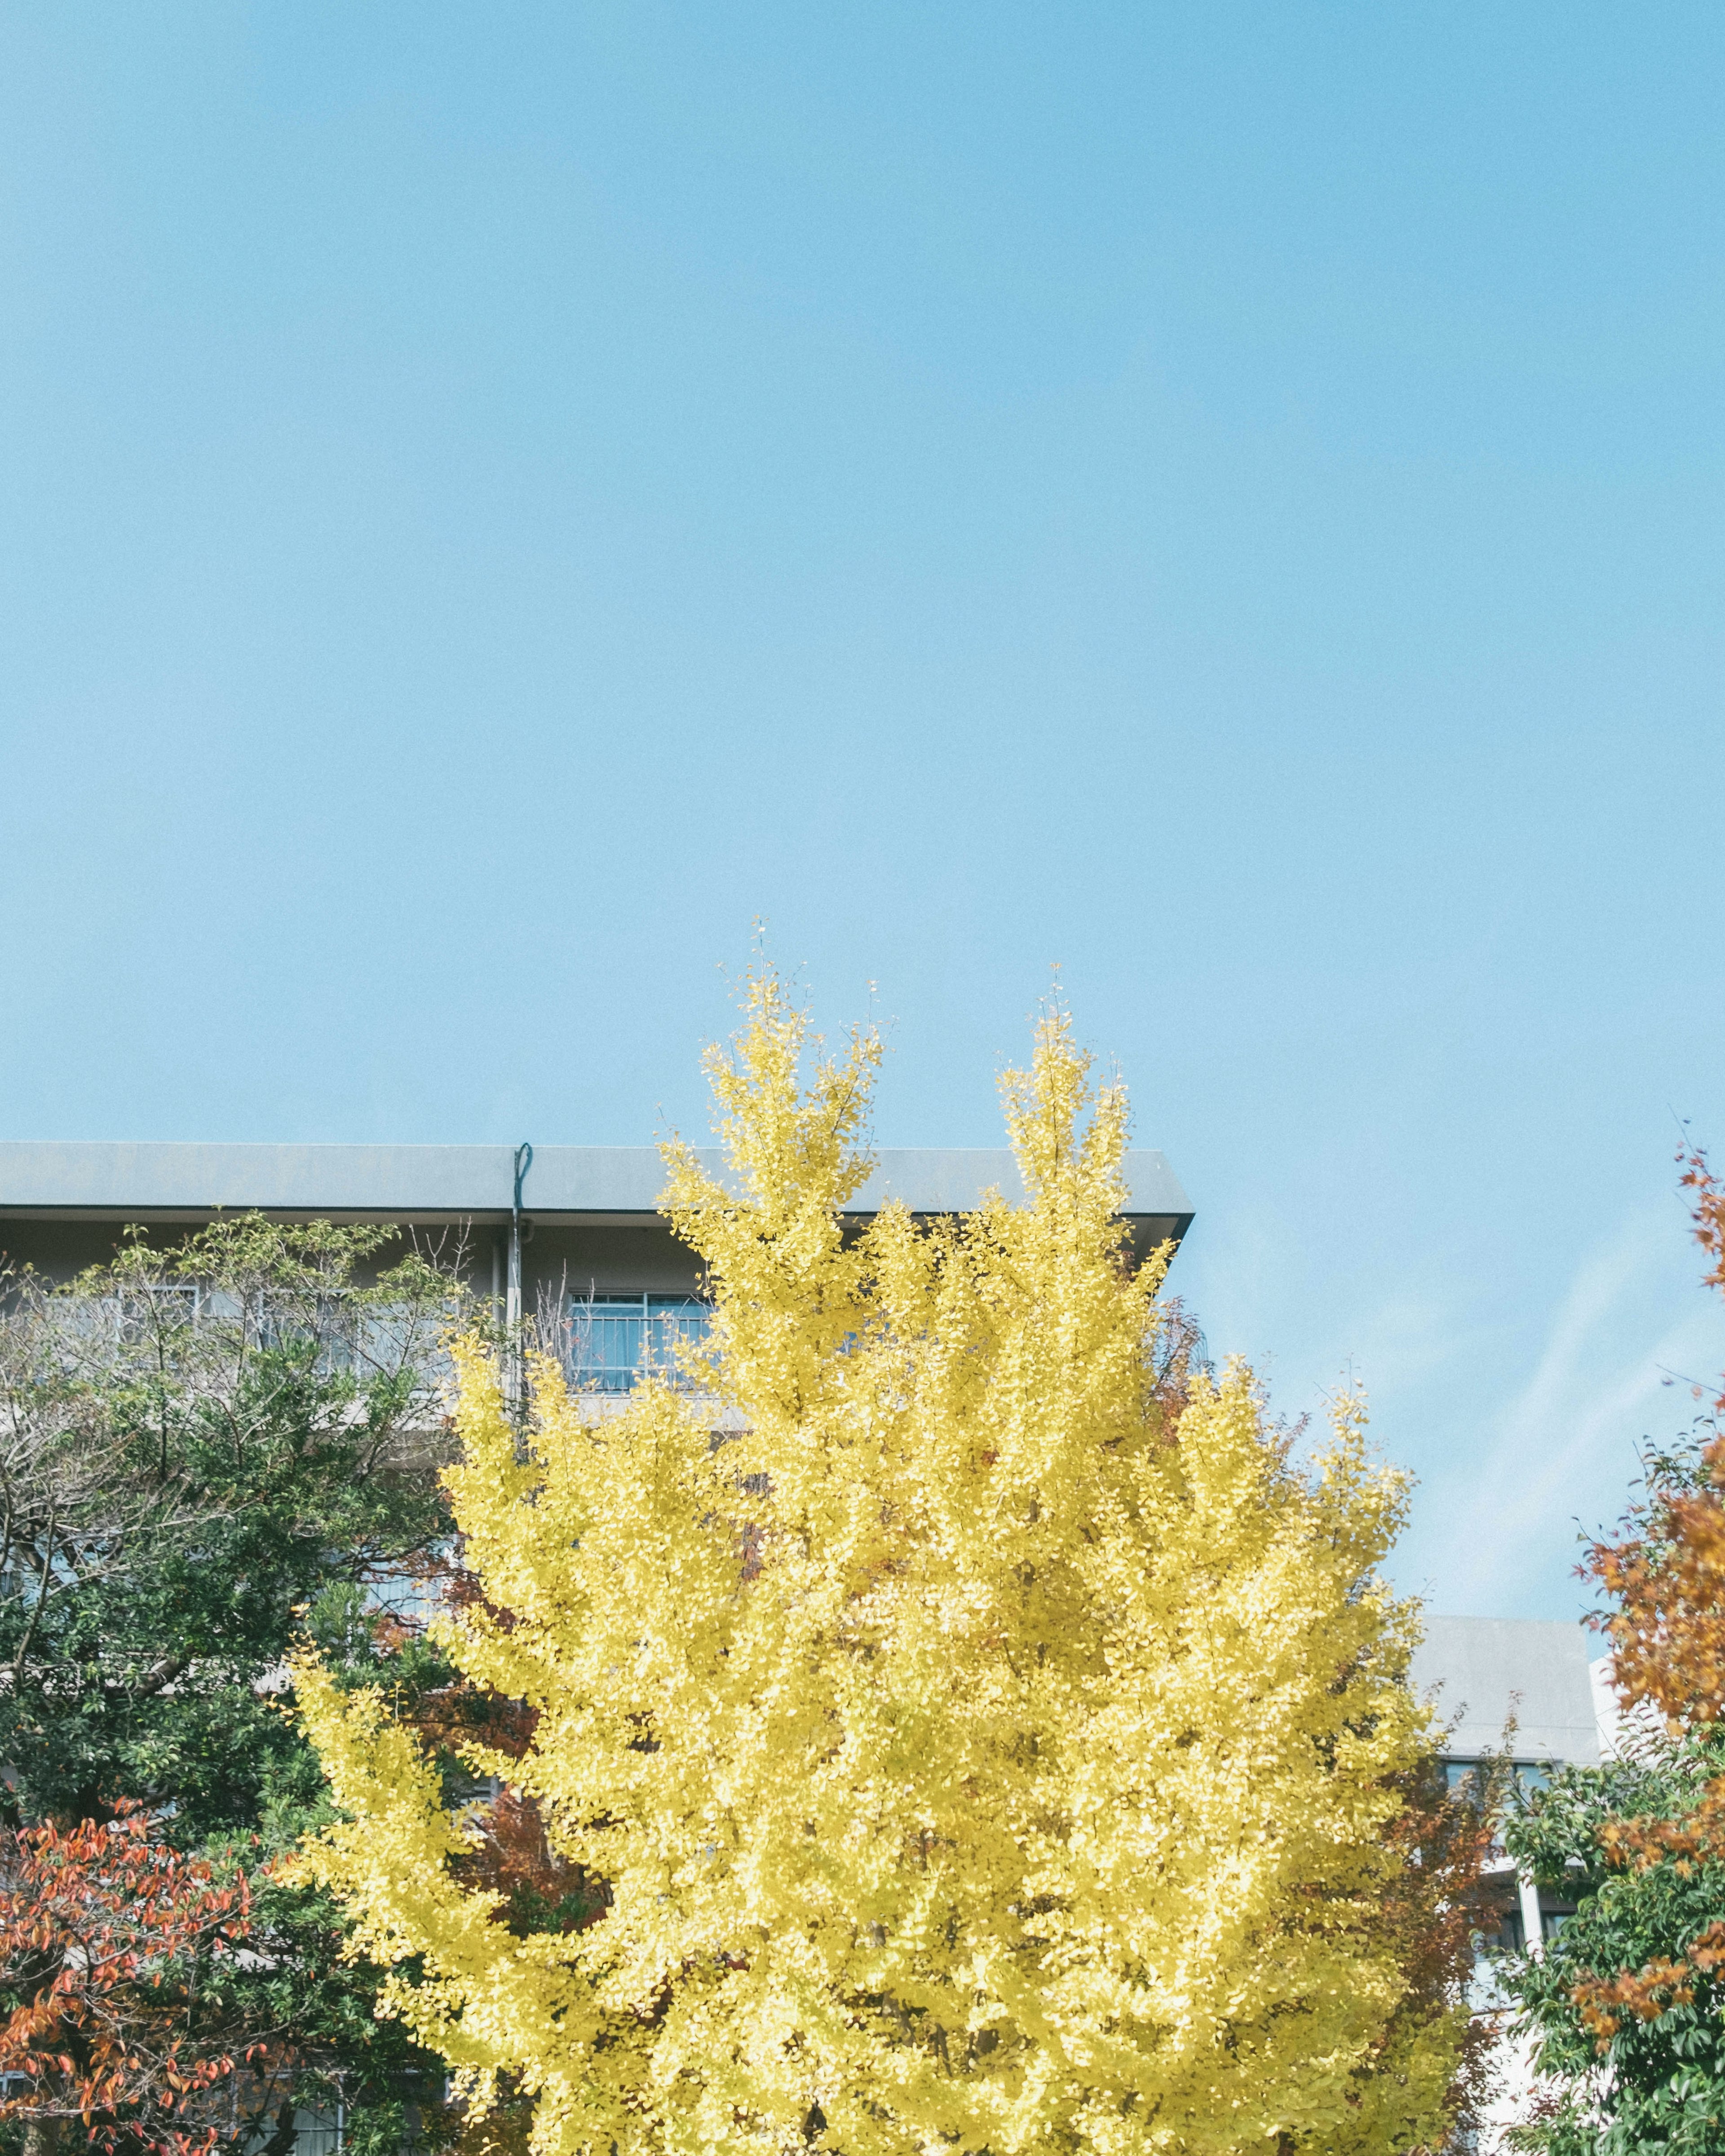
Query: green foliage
column 201, row 1448
column 1657, row 2084
column 197, row 1441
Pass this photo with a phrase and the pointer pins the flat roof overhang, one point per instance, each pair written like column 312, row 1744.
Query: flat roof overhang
column 1483, row 1673
column 433, row 1185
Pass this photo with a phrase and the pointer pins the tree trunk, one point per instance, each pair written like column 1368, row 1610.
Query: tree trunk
column 41, row 2136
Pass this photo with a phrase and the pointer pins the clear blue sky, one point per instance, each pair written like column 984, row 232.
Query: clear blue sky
column 1230, row 499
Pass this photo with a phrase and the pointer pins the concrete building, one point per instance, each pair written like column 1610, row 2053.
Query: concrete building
column 578, row 1224
column 1525, row 1689
column 545, row 1231
column 1523, row 1686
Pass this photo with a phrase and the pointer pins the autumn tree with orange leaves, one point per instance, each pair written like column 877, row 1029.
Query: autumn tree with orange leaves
column 117, row 2023
column 1629, row 2001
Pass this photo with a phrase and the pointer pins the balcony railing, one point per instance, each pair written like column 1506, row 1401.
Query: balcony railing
column 606, row 1343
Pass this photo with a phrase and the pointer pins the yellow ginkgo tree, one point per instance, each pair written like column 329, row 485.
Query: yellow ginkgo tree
column 979, row 1750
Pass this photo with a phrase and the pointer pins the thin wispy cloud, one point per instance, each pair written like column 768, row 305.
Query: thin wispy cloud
column 1562, row 1448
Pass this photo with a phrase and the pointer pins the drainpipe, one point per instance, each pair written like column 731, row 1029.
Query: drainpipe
column 1532, row 1924
column 512, row 1314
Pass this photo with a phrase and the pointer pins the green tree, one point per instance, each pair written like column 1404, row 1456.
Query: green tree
column 203, row 1450
column 1630, row 2032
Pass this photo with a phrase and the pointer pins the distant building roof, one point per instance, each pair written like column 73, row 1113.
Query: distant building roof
column 1485, row 1669
column 142, row 1181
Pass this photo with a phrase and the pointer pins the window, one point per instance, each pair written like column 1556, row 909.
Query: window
column 146, row 1313
column 1463, row 1776
column 1497, row 1931
column 611, row 1338
column 1505, row 1912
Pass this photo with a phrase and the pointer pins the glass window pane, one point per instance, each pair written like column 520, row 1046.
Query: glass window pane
column 609, row 1336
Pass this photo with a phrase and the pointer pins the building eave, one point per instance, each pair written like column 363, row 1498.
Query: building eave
column 188, row 1183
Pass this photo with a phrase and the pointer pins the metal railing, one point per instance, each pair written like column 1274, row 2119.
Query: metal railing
column 606, row 1343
